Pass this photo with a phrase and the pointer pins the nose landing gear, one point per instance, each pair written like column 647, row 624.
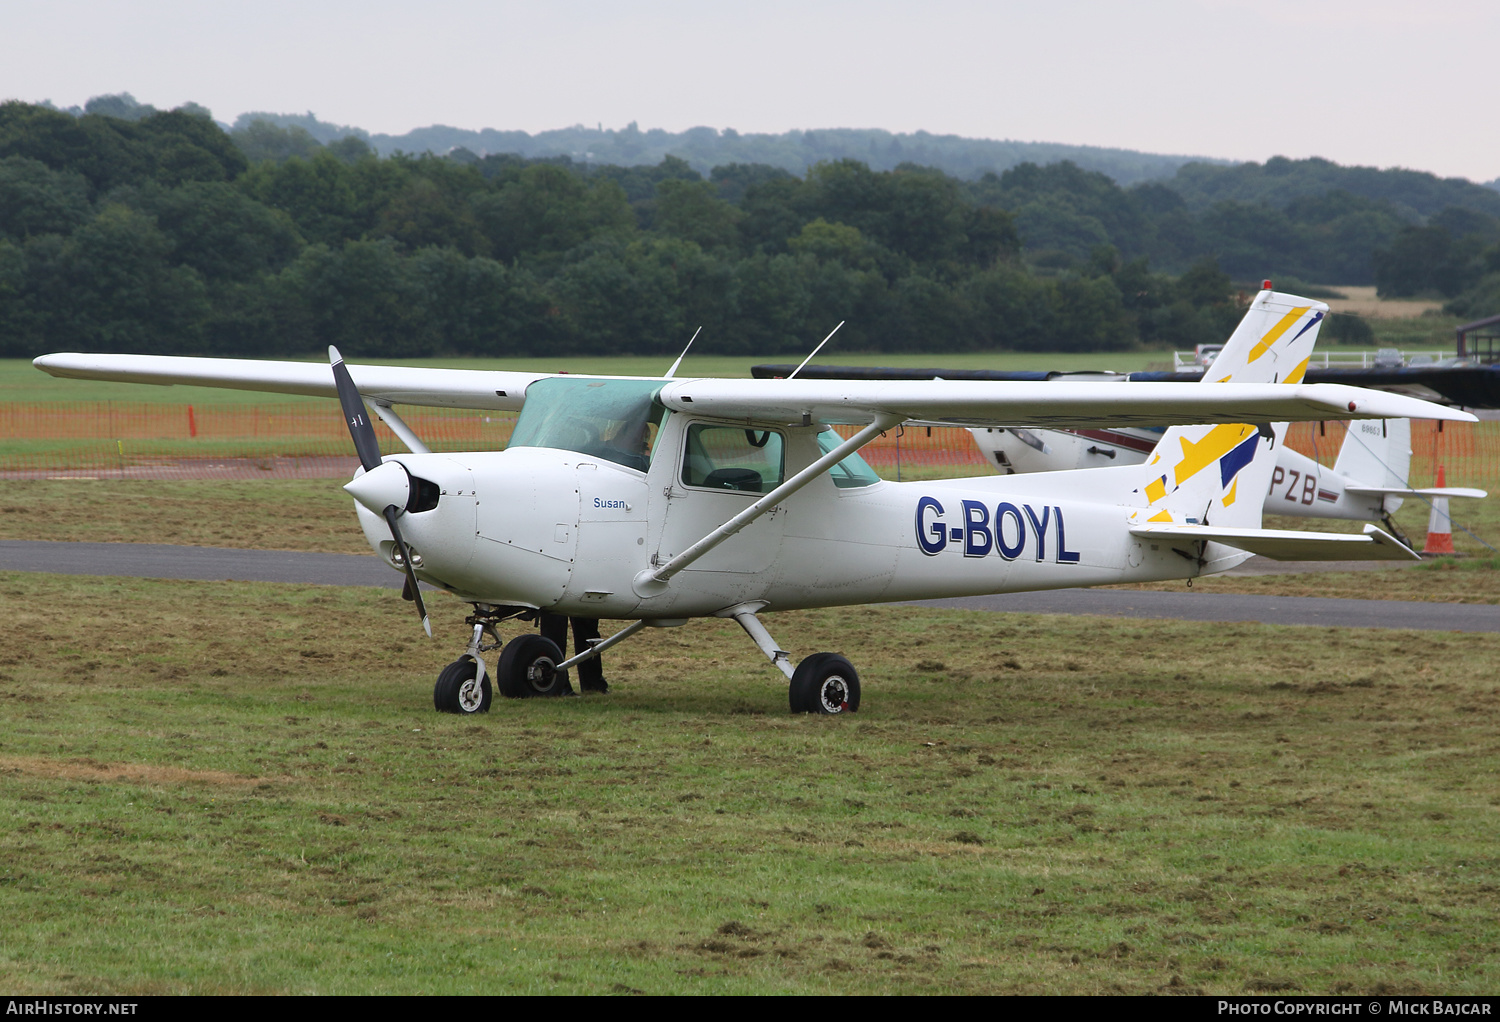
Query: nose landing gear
column 463, row 687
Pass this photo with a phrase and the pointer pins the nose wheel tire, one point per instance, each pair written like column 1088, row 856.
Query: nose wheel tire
column 528, row 668
column 824, row 683
column 457, row 690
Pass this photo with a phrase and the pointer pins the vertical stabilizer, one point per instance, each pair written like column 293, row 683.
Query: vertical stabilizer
column 1377, row 453
column 1218, row 475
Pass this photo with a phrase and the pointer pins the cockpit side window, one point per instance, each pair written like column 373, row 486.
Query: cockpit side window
column 733, row 458
column 612, row 420
column 853, row 471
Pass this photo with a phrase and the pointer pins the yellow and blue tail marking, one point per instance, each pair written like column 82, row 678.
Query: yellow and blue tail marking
column 1195, row 472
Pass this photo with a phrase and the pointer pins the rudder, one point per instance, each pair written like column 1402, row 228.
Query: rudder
column 1377, row 452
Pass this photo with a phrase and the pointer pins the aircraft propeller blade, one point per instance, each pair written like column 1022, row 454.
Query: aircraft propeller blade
column 368, row 448
column 411, row 591
column 365, row 444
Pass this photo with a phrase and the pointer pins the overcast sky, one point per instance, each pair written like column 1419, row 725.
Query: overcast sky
column 1371, row 82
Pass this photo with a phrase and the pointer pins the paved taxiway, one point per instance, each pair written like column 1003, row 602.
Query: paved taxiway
column 141, row 560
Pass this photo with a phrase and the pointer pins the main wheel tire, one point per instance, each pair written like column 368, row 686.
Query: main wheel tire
column 457, row 692
column 824, row 683
column 528, row 668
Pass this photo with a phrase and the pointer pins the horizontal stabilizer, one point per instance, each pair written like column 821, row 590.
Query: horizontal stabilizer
column 1286, row 545
column 1431, row 491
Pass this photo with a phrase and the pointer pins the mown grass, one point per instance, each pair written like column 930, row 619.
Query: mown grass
column 224, row 788
column 261, row 514
column 1418, row 332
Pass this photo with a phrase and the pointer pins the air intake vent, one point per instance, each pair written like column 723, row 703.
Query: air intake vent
column 424, row 495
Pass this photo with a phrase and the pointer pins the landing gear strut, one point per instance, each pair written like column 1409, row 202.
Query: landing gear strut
column 1390, row 526
column 823, row 683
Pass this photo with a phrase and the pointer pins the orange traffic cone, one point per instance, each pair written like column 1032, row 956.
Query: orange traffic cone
column 1439, row 525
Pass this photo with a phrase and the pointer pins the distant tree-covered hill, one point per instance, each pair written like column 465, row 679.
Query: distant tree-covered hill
column 706, row 148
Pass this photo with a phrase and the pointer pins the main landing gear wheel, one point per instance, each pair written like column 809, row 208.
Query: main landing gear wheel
column 824, row 683
column 458, row 691
column 528, row 667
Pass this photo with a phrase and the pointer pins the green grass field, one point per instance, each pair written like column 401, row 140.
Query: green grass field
column 237, row 788
column 1418, row 332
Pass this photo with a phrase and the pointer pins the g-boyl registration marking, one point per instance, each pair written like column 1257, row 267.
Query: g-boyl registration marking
column 1008, row 531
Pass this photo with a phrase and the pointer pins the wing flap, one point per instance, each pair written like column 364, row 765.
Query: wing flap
column 1285, row 545
column 450, row 388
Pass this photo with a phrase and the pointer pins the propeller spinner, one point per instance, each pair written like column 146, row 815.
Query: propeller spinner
column 385, row 487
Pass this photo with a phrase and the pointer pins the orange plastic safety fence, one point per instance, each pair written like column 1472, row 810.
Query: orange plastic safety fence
column 1468, row 451
column 159, row 441
column 173, row 441
column 919, row 446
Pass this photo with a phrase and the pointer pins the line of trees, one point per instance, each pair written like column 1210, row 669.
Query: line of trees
column 160, row 232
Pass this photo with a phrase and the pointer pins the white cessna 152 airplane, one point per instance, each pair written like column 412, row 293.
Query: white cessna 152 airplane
column 659, row 500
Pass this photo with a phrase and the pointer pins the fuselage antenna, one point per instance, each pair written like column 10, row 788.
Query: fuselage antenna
column 691, row 339
column 816, row 350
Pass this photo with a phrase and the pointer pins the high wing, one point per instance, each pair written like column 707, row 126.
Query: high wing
column 449, row 388
column 958, row 402
column 966, row 403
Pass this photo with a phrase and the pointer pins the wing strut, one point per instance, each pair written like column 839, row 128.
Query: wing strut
column 600, row 645
column 397, row 425
column 653, row 581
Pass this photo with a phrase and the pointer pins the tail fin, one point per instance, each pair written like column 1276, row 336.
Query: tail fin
column 1375, row 460
column 1377, row 453
column 1219, row 474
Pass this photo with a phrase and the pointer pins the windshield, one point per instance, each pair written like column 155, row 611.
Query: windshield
column 853, row 471
column 613, row 420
